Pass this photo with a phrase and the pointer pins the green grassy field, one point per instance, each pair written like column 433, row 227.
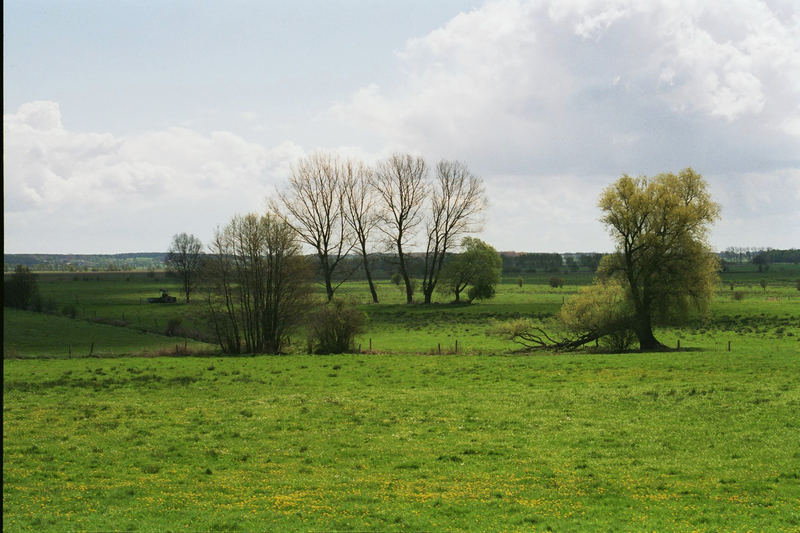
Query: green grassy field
column 664, row 442
column 37, row 335
column 703, row 439
column 395, row 327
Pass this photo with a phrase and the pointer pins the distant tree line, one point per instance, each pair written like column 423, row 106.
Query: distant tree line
column 769, row 256
column 86, row 262
column 382, row 264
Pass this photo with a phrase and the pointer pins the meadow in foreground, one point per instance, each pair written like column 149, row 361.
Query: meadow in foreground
column 702, row 440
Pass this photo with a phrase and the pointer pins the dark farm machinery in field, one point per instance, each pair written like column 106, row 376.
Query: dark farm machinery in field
column 163, row 299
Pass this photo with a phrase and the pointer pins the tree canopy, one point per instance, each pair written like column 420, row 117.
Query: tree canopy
column 662, row 258
column 479, row 267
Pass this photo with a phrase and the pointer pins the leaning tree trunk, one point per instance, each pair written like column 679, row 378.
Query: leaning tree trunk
column 371, row 285
column 368, row 273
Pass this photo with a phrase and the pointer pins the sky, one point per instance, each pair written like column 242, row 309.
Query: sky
column 127, row 122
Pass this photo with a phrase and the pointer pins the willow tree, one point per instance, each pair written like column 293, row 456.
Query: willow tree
column 660, row 226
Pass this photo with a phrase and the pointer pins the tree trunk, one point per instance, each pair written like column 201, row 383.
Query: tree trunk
column 326, row 273
column 404, row 273
column 368, row 273
column 371, row 285
column 409, row 288
column 644, row 333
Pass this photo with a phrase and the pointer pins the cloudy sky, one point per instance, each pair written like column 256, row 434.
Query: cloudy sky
column 127, row 122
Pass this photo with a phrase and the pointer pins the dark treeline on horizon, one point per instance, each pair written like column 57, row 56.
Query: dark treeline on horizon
column 385, row 265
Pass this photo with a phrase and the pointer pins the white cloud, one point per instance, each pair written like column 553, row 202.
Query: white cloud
column 516, row 77
column 64, row 182
column 563, row 91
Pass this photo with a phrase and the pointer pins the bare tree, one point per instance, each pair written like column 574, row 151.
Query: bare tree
column 314, row 200
column 184, row 260
column 457, row 201
column 360, row 211
column 258, row 284
column 400, row 183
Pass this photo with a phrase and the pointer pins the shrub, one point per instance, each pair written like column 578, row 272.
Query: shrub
column 556, row 282
column 333, row 328
column 173, row 327
column 600, row 311
column 738, row 296
column 519, row 283
column 69, row 310
column 21, row 290
column 481, row 291
column 618, row 341
column 798, row 284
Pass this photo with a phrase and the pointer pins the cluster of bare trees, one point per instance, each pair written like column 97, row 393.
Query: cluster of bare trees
column 258, row 284
column 256, row 277
column 337, row 205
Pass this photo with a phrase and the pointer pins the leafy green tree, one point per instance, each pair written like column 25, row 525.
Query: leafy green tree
column 662, row 259
column 479, row 267
column 21, row 290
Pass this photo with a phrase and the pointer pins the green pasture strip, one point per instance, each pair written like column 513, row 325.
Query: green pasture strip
column 120, row 301
column 28, row 334
column 395, row 327
column 702, row 441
